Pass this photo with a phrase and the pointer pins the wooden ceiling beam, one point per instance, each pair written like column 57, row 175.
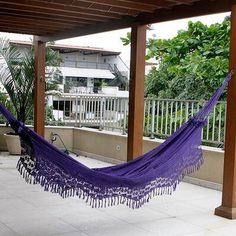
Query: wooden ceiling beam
column 182, row 2
column 25, row 28
column 95, row 7
column 116, row 10
column 49, row 12
column 22, row 30
column 48, row 18
column 31, row 25
column 148, row 2
column 163, row 3
column 79, row 27
column 133, row 5
column 84, row 7
column 198, row 8
column 36, row 21
column 90, row 29
column 187, row 2
column 62, row 8
column 155, row 3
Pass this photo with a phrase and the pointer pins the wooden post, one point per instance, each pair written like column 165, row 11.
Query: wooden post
column 39, row 86
column 228, row 207
column 136, row 92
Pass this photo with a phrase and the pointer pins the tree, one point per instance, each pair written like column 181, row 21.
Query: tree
column 17, row 76
column 192, row 64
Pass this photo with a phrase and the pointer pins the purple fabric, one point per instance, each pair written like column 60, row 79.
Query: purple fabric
column 134, row 183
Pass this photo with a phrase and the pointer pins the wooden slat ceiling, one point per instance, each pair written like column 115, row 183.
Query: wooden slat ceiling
column 58, row 19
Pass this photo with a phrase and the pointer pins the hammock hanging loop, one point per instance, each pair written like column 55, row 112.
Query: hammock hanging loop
column 198, row 122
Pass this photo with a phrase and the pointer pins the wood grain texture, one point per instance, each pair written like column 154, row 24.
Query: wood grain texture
column 228, row 208
column 71, row 18
column 39, row 92
column 136, row 92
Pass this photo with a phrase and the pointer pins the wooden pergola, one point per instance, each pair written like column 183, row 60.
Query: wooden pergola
column 51, row 20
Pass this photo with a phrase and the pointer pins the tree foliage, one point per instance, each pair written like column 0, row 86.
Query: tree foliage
column 191, row 65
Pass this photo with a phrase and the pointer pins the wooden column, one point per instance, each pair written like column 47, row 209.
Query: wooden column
column 39, row 86
column 136, row 92
column 228, row 207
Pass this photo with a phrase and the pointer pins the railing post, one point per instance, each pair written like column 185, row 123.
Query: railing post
column 153, row 119
column 101, row 114
column 104, row 101
column 80, row 111
column 125, row 101
column 76, row 110
column 225, row 118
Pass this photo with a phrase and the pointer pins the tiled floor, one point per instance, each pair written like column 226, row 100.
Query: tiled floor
column 28, row 210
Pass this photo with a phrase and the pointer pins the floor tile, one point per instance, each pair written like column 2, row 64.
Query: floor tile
column 170, row 226
column 27, row 210
column 6, row 231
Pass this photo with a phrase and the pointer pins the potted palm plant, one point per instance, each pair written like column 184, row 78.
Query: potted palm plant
column 17, row 77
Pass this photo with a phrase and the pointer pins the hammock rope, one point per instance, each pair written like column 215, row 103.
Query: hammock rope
column 134, row 183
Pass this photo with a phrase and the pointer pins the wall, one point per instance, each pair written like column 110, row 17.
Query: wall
column 103, row 145
column 65, row 132
column 70, row 59
column 110, row 146
column 3, row 130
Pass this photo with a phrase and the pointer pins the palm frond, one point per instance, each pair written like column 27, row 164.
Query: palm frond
column 17, row 75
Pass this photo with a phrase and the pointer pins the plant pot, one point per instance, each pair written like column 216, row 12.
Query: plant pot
column 13, row 144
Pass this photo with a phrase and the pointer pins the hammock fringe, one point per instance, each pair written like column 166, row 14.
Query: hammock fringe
column 36, row 178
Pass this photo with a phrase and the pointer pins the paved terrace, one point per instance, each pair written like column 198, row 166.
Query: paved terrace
column 28, row 210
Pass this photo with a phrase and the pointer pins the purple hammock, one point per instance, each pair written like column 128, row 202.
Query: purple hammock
column 133, row 184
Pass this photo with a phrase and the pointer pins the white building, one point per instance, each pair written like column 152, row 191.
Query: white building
column 84, row 72
column 86, row 69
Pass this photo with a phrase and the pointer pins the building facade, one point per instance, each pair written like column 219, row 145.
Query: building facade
column 85, row 70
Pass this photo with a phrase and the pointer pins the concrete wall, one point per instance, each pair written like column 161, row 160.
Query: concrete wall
column 212, row 169
column 65, row 132
column 3, row 130
column 112, row 147
column 100, row 144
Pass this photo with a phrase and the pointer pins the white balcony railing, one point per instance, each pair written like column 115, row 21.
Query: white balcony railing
column 162, row 116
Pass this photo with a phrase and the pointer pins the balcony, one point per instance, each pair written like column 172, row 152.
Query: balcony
column 162, row 117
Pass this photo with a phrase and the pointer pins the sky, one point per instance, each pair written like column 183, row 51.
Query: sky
column 111, row 40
